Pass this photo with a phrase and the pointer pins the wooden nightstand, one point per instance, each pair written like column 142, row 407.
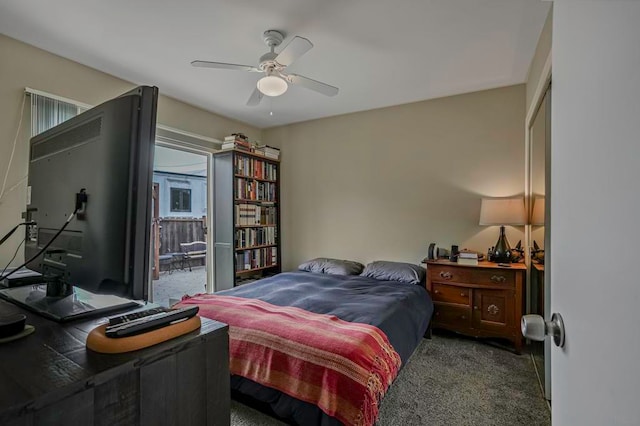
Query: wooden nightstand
column 485, row 300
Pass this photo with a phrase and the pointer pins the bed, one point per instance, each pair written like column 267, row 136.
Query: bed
column 399, row 310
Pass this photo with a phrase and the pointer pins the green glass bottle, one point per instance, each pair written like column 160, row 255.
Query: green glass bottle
column 502, row 251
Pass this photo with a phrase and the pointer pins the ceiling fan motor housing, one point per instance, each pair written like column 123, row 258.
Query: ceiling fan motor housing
column 272, row 38
column 268, row 62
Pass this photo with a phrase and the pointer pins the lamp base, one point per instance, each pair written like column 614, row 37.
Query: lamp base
column 502, row 251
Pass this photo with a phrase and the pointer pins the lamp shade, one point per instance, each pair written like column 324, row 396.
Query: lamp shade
column 272, row 85
column 537, row 215
column 502, row 211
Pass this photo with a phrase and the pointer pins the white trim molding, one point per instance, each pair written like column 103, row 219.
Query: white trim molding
column 166, row 131
column 57, row 98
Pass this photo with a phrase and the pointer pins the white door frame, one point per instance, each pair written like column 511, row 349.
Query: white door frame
column 202, row 146
column 536, row 101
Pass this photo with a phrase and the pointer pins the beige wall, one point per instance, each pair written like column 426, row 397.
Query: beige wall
column 539, row 58
column 382, row 184
column 23, row 66
column 378, row 184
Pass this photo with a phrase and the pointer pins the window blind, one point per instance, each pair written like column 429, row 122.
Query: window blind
column 48, row 112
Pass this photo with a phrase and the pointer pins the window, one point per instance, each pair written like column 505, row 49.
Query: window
column 180, row 200
column 48, row 112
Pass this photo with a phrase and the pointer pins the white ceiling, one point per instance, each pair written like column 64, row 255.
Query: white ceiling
column 379, row 53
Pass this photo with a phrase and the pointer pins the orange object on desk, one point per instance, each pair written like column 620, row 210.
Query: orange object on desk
column 97, row 341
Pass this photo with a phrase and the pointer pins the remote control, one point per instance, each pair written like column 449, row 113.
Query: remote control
column 119, row 319
column 151, row 322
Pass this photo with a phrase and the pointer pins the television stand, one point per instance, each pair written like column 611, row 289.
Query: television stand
column 51, row 378
column 62, row 302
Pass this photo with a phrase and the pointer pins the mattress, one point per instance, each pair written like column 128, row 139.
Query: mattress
column 402, row 311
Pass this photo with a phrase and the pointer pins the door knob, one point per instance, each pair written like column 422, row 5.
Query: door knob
column 534, row 327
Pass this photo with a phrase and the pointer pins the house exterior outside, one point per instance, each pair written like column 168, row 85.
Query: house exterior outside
column 181, row 195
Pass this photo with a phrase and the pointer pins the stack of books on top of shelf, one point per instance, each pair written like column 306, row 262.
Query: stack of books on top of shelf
column 466, row 257
column 237, row 141
column 268, row 151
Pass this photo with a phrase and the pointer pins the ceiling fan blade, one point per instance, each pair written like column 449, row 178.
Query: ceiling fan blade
column 255, row 98
column 222, row 65
column 309, row 83
column 296, row 48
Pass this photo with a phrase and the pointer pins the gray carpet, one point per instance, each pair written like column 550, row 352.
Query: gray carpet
column 452, row 380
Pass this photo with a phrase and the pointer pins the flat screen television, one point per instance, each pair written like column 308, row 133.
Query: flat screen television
column 101, row 163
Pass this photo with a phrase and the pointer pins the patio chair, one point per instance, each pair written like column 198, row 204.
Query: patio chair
column 170, row 260
column 193, row 250
column 165, row 259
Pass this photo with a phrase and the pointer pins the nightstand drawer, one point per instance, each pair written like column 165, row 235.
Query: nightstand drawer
column 452, row 315
column 470, row 275
column 448, row 274
column 451, row 294
column 492, row 277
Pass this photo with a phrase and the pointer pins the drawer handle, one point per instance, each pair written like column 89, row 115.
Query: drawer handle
column 463, row 317
column 463, row 295
column 493, row 309
column 436, row 291
column 475, row 307
column 445, row 275
column 498, row 278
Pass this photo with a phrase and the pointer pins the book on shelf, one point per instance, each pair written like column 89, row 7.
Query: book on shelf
column 236, row 136
column 255, row 168
column 467, row 261
column 255, row 190
column 237, row 145
column 247, row 238
column 268, row 151
column 268, row 148
column 255, row 215
column 256, row 258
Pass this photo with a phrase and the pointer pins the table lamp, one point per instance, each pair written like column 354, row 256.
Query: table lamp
column 502, row 211
column 537, row 215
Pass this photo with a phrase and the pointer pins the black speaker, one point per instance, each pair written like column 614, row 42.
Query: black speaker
column 431, row 255
column 453, row 256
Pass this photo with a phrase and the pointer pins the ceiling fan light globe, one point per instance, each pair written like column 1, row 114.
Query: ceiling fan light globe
column 271, row 85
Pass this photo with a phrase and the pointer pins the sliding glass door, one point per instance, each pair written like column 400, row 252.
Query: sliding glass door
column 181, row 223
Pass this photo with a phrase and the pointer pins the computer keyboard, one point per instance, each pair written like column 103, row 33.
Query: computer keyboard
column 147, row 322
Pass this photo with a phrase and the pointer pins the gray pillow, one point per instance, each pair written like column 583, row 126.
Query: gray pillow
column 395, row 271
column 323, row 265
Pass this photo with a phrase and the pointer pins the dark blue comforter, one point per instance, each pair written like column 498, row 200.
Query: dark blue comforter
column 402, row 311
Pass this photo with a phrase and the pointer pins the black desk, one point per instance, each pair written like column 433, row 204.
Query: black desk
column 50, row 378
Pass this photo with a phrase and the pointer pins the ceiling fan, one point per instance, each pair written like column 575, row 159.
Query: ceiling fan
column 275, row 82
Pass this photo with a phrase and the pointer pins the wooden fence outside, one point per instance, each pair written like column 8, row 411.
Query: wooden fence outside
column 176, row 230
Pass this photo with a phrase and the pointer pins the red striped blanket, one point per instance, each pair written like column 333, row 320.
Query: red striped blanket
column 344, row 368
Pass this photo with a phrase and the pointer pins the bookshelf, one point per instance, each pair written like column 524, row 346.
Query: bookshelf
column 247, row 217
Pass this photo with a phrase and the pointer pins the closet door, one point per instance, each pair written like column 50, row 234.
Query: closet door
column 539, row 185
